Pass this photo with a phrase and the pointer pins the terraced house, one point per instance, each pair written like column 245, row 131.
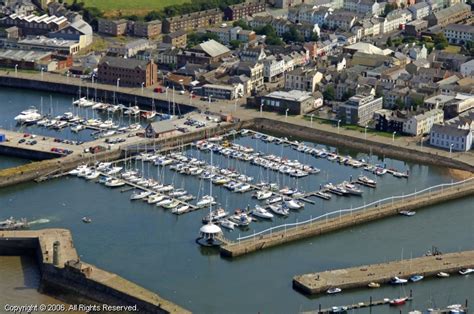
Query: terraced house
column 192, row 21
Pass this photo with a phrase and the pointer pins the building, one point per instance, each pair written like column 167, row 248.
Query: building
column 459, row 33
column 129, row 49
column 454, row 134
column 389, row 121
column 370, row 7
column 241, row 10
column 419, row 10
column 284, row 4
column 149, row 29
column 33, row 60
column 292, row 102
column 192, row 21
column 208, row 52
column 273, row 68
column 223, row 91
column 66, row 47
column 254, row 71
column 414, row 28
column 450, row 15
column 177, row 39
column 343, row 20
column 161, row 129
column 395, row 19
column 421, row 124
column 112, row 27
column 359, row 109
column 467, row 68
column 77, row 30
column 302, row 79
column 33, row 24
column 127, row 72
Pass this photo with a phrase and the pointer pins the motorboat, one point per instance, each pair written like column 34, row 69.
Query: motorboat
column 398, row 281
column 86, row 220
column 416, row 278
column 186, row 198
column 243, row 188
column 407, row 213
column 323, row 195
column 442, row 275
column 14, row 224
column 294, row 204
column 263, row 195
column 140, row 195
column 115, row 183
column 352, row 189
column 171, row 205
column 279, row 209
column 399, row 301
column 178, row 192
column 164, row 201
column 104, row 165
column 228, row 224
column 28, row 116
column 180, row 209
column 77, row 128
column 114, row 170
column 155, row 198
column 287, row 191
column 92, row 175
column 261, row 212
column 274, row 200
column 366, row 181
column 205, row 201
column 333, row 290
column 380, row 171
column 241, row 219
column 374, row 285
column 77, row 170
column 215, row 215
column 466, row 271
column 334, row 189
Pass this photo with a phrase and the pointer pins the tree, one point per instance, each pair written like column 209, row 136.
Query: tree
column 235, row 44
column 399, row 103
column 314, row 36
column 440, row 41
column 389, row 41
column 389, row 7
column 293, row 35
column 241, row 23
column 347, row 95
column 152, row 15
column 329, row 93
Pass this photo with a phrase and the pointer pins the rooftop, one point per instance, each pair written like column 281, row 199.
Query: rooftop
column 212, row 48
column 24, row 55
column 117, row 62
column 460, row 28
column 45, row 41
column 292, row 95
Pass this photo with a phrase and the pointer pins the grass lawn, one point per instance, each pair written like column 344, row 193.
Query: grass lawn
column 128, row 7
column 452, row 49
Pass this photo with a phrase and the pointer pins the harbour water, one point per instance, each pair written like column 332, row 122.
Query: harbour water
column 157, row 249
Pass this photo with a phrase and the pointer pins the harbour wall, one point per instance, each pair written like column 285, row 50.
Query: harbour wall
column 360, row 144
column 71, row 280
column 316, row 228
column 361, row 276
column 27, row 153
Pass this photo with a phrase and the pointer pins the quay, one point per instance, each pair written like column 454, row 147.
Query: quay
column 62, row 270
column 351, row 217
column 361, row 276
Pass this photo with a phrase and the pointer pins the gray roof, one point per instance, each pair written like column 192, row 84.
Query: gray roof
column 452, row 10
column 460, row 28
column 292, row 95
column 418, row 6
column 212, row 48
column 449, row 130
column 117, row 62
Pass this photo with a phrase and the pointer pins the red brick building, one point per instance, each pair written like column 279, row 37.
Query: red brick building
column 241, row 10
column 131, row 72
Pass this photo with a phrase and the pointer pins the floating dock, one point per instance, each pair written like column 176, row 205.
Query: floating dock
column 359, row 277
column 350, row 219
column 61, row 269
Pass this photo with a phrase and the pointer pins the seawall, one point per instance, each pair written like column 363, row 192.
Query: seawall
column 347, row 220
column 68, row 278
column 360, row 144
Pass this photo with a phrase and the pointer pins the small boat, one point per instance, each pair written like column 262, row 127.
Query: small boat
column 466, row 271
column 115, row 183
column 339, row 309
column 180, row 209
column 261, row 213
column 77, row 128
column 14, row 224
column 92, row 175
column 294, row 204
column 407, row 213
column 114, row 170
column 263, row 195
column 416, row 278
column 442, row 275
column 86, row 220
column 399, row 301
column 140, row 195
column 352, row 189
column 279, row 209
column 149, row 115
column 243, row 188
column 374, row 285
column 215, row 215
column 171, row 205
column 366, row 181
column 103, row 165
column 241, row 219
column 274, row 200
column 398, row 281
column 155, row 198
column 323, row 195
column 226, row 223
column 333, row 290
column 205, row 201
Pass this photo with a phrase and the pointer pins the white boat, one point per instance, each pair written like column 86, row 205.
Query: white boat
column 274, row 200
column 226, row 223
column 205, row 201
column 77, row 128
column 294, row 204
column 215, row 215
column 92, row 175
column 155, row 198
column 173, row 204
column 407, row 213
column 28, row 116
column 132, row 111
column 243, row 188
column 466, row 271
column 279, row 209
column 352, row 189
column 263, row 195
column 78, row 170
column 114, row 170
column 115, row 183
column 333, row 290
column 104, row 165
column 366, row 181
column 140, row 195
column 241, row 219
column 398, row 281
column 164, row 202
column 165, row 188
column 261, row 212
column 180, row 209
column 442, row 275
column 149, row 115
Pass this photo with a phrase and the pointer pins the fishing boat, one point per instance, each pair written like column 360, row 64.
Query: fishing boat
column 180, row 209
column 263, row 195
column 407, row 213
column 226, row 223
column 398, row 281
column 466, row 271
column 86, row 220
column 140, row 195
column 294, row 204
column 366, row 181
column 14, row 224
column 333, row 290
column 399, row 301
column 215, row 215
column 442, row 275
column 279, row 209
column 205, row 201
column 261, row 212
column 416, row 278
column 374, row 285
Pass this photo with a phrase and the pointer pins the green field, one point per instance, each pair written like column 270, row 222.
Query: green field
column 128, row 7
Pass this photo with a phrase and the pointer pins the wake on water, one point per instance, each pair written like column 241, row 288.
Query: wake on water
column 39, row 221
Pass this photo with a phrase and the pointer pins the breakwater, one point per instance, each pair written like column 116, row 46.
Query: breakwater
column 361, row 276
column 63, row 272
column 360, row 144
column 347, row 218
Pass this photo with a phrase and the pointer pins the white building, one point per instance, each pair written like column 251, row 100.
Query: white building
column 467, row 68
column 419, row 10
column 422, row 123
column 455, row 134
column 394, row 19
column 362, row 6
column 223, row 91
column 459, row 33
column 272, row 68
column 303, row 79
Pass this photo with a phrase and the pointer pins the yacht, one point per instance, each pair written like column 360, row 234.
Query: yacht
column 114, row 170
column 333, row 290
column 226, row 223
column 323, row 195
column 180, row 209
column 261, row 212
column 93, row 175
column 13, row 224
column 241, row 219
column 28, row 116
column 171, row 205
column 115, row 183
column 132, row 111
column 140, row 195
column 352, row 189
column 77, row 128
column 294, row 204
column 466, row 271
column 263, row 195
column 155, row 198
column 215, row 215
column 274, row 200
column 78, row 170
column 243, row 188
column 206, row 201
column 279, row 209
column 366, row 181
column 398, row 281
column 104, row 165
